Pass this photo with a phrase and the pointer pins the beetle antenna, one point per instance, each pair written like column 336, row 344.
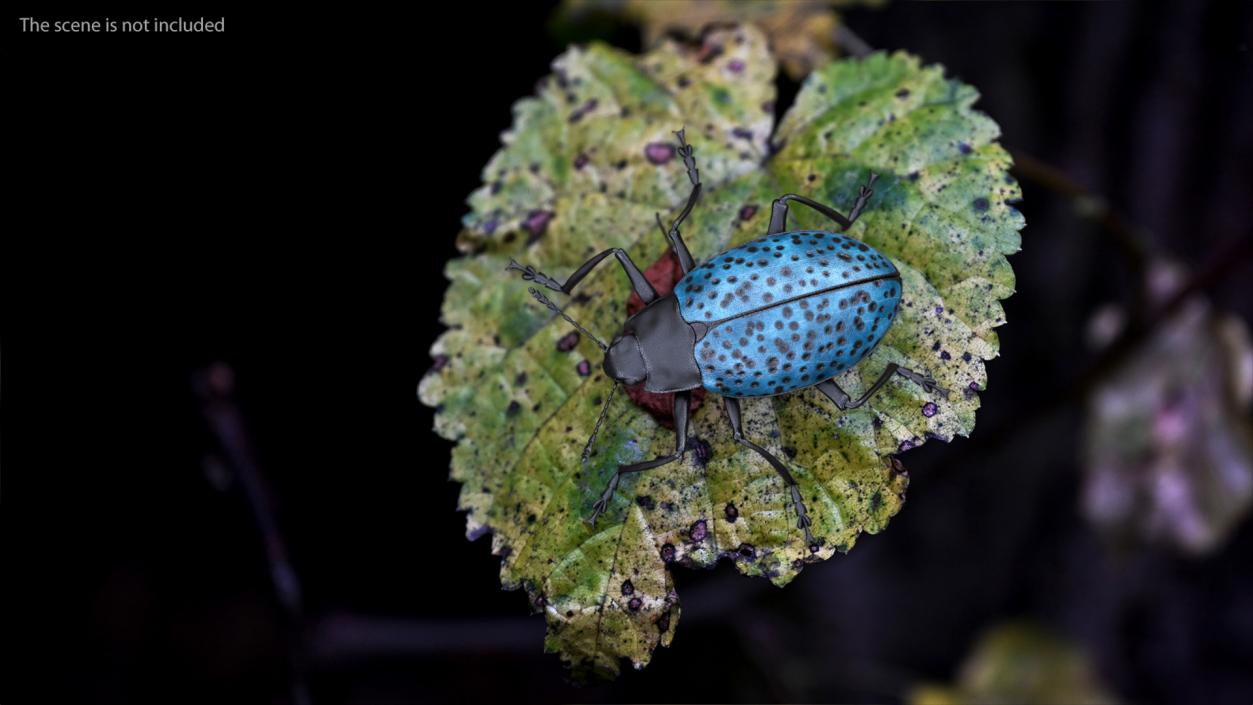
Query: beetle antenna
column 604, row 411
column 553, row 307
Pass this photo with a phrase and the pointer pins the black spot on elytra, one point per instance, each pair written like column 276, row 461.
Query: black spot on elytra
column 513, row 409
column 646, row 501
column 627, row 588
column 732, row 513
column 635, row 604
column 980, row 204
column 746, row 551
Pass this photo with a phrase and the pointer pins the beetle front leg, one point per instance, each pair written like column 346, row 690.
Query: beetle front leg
column 681, row 402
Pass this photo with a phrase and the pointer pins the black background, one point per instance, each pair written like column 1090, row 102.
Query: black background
column 282, row 198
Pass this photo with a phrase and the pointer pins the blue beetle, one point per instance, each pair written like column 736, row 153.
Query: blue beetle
column 789, row 310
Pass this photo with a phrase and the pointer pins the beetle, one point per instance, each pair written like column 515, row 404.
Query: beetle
column 786, row 311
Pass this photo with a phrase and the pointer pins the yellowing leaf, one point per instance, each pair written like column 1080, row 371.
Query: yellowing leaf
column 585, row 167
column 1023, row 664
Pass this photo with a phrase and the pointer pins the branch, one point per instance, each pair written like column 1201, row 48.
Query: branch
column 215, row 387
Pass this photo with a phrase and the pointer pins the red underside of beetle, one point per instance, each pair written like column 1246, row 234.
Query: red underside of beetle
column 663, row 275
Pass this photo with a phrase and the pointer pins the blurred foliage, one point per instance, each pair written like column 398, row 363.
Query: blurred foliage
column 1169, row 448
column 802, row 33
column 1021, row 664
column 585, row 166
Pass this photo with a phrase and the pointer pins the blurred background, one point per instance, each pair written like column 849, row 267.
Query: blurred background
column 225, row 275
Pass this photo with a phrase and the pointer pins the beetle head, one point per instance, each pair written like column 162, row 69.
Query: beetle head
column 624, row 362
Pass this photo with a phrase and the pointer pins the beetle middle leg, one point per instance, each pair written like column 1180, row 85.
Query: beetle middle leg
column 732, row 406
column 681, row 405
column 843, row 401
column 778, row 211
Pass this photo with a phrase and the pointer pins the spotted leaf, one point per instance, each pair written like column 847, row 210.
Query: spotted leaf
column 588, row 162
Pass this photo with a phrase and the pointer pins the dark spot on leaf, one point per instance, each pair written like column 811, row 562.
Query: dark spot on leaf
column 902, row 93
column 584, row 109
column 520, row 379
column 568, row 342
column 963, row 148
column 659, row 152
column 980, row 204
column 667, row 553
column 698, row 531
column 439, row 362
column 701, row 451
column 536, row 223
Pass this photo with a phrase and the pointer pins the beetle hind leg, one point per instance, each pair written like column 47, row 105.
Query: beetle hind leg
column 841, row 399
column 732, row 406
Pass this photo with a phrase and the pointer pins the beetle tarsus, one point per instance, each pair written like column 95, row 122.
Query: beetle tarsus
column 802, row 517
column 530, row 273
column 924, row 380
column 606, row 497
column 863, row 196
column 689, row 161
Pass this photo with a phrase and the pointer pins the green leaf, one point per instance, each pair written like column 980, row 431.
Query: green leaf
column 520, row 393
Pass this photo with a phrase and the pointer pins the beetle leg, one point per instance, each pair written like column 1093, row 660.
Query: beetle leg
column 863, row 195
column 732, row 406
column 841, row 398
column 926, row 381
column 681, row 405
column 693, row 175
column 638, row 281
column 778, row 212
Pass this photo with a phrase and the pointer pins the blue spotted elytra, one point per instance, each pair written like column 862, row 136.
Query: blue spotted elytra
column 789, row 310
